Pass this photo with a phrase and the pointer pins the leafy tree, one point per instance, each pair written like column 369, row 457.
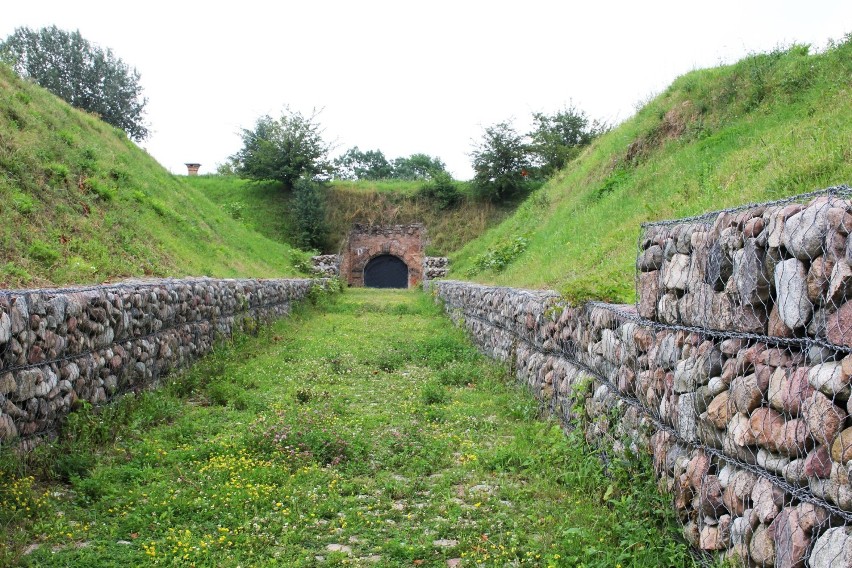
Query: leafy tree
column 557, row 139
column 284, row 150
column 309, row 213
column 355, row 164
column 441, row 190
column 83, row 74
column 417, row 166
column 501, row 162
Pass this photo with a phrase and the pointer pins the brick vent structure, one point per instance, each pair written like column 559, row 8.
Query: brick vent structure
column 406, row 242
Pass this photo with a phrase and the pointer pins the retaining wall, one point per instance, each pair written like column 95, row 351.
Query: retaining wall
column 733, row 371
column 58, row 347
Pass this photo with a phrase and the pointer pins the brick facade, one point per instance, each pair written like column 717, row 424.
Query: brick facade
column 406, row 242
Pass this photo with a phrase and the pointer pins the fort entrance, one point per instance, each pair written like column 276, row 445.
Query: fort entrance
column 384, row 257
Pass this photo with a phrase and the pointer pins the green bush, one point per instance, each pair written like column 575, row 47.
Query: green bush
column 441, row 190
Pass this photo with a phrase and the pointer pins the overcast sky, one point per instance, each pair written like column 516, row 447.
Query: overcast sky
column 408, row 77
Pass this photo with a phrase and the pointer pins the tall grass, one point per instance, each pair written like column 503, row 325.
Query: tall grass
column 81, row 203
column 768, row 126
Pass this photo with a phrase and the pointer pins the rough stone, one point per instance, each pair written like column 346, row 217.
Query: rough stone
column 750, row 274
column 804, row 232
column 762, row 547
column 793, row 438
column 719, row 410
column 667, row 308
column 676, row 272
column 824, row 418
column 8, row 430
column 830, row 379
column 788, row 388
column 651, row 259
column 765, row 423
column 745, row 394
column 819, row 275
column 776, row 327
column 7, row 383
column 5, row 327
column 839, row 219
column 841, row 447
column 771, row 461
column 838, row 326
column 841, row 278
column 794, row 308
column 737, row 495
column 767, row 500
column 791, row 541
column 818, row 463
column 833, row 549
column 719, row 267
column 740, row 431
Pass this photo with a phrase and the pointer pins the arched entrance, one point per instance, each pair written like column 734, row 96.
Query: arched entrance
column 386, row 271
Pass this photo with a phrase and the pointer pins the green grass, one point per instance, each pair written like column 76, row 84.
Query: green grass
column 370, row 433
column 265, row 208
column 81, row 203
column 769, row 126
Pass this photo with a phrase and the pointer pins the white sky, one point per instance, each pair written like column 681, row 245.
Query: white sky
column 407, row 77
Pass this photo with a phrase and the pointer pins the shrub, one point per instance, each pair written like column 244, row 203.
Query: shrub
column 441, row 190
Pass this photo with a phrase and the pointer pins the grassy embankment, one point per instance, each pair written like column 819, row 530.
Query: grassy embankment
column 769, row 126
column 370, row 433
column 81, row 203
column 265, row 207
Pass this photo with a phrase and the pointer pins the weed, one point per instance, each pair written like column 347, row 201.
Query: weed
column 42, row 252
column 101, row 189
column 23, row 203
column 433, row 393
column 498, row 258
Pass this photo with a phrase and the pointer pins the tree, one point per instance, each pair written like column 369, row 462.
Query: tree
column 417, row 166
column 283, row 150
column 501, row 163
column 355, row 164
column 83, row 74
column 309, row 212
column 557, row 139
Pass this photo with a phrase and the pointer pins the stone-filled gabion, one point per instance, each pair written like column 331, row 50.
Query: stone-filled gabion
column 435, row 267
column 750, row 436
column 327, row 265
column 58, row 347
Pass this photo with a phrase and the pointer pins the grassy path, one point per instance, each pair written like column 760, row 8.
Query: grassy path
column 369, row 433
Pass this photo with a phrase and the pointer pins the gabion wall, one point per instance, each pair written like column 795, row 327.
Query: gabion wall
column 732, row 370
column 61, row 346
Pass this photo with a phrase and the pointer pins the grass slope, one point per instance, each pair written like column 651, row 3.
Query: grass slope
column 81, row 203
column 369, row 434
column 265, row 207
column 769, row 126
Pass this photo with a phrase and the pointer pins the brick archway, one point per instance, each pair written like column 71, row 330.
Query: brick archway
column 406, row 242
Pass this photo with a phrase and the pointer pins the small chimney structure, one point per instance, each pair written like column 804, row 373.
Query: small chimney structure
column 192, row 169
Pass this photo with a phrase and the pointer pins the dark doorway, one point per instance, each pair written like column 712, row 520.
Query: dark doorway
column 386, row 271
